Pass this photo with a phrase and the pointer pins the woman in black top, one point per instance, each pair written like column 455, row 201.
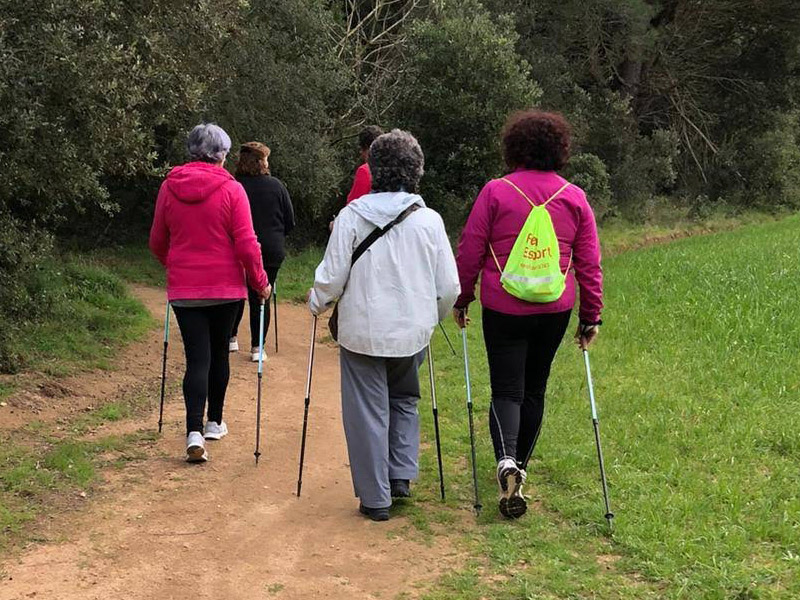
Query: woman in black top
column 273, row 219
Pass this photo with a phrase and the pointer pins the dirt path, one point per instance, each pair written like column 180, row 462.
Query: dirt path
column 164, row 529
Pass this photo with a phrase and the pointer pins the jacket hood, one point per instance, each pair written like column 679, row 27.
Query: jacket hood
column 195, row 181
column 384, row 207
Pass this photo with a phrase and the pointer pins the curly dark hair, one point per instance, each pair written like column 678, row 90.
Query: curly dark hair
column 368, row 135
column 251, row 160
column 396, row 162
column 534, row 139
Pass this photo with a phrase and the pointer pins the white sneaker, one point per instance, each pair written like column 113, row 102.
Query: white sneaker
column 254, row 354
column 233, row 345
column 510, row 479
column 215, row 431
column 196, row 448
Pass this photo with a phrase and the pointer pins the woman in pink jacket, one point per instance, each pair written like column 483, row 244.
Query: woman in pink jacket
column 522, row 337
column 203, row 234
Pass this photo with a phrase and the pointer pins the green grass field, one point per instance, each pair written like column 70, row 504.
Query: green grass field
column 696, row 376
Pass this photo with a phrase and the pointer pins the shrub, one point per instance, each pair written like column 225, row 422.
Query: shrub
column 589, row 173
column 463, row 79
column 763, row 170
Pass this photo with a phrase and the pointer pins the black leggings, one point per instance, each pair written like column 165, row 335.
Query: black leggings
column 520, row 350
column 205, row 332
column 255, row 309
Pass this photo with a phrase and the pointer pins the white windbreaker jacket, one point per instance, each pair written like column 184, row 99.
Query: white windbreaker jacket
column 397, row 292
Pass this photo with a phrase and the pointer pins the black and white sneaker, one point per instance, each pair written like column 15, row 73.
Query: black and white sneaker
column 510, row 479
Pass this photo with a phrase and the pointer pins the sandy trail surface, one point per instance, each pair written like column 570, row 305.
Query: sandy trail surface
column 161, row 528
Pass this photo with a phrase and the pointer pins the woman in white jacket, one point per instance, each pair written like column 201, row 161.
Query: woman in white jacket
column 390, row 300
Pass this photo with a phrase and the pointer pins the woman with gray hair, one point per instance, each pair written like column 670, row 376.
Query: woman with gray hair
column 203, row 234
column 390, row 298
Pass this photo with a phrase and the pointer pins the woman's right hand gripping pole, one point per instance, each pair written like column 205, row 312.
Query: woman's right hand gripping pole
column 461, row 317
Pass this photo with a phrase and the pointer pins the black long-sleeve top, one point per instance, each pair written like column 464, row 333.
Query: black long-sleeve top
column 273, row 215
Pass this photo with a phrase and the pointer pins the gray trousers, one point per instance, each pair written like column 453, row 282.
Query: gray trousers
column 381, row 424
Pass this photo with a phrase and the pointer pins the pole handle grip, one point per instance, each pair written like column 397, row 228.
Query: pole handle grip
column 261, row 338
column 166, row 324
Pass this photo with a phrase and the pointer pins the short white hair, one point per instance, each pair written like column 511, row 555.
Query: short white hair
column 208, row 142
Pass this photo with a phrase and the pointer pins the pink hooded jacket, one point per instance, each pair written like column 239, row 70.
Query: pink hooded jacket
column 497, row 217
column 203, row 234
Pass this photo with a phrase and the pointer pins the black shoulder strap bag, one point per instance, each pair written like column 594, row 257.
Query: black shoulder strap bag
column 377, row 233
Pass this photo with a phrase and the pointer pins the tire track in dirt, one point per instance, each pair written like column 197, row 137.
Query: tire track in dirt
column 161, row 528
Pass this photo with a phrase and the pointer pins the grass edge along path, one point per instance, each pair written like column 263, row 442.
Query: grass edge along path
column 83, row 315
column 45, row 469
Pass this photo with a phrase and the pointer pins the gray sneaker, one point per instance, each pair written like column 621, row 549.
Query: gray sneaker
column 215, row 431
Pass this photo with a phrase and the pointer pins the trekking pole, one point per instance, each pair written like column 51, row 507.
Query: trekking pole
column 275, row 304
column 477, row 506
column 307, row 402
column 257, row 453
column 436, row 421
column 596, row 424
column 164, row 369
column 447, row 337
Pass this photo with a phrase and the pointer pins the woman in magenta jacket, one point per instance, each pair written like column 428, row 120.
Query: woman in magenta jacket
column 203, row 234
column 522, row 337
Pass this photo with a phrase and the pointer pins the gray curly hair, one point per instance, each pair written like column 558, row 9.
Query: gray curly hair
column 396, row 162
column 208, row 142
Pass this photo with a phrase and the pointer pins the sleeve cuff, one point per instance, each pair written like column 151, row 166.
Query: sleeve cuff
column 463, row 302
column 314, row 304
column 591, row 322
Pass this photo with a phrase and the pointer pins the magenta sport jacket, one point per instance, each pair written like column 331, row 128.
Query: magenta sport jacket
column 203, row 233
column 497, row 217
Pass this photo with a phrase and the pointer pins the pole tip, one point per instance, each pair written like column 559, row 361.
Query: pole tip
column 257, row 454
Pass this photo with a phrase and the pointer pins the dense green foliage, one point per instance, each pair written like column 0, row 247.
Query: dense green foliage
column 696, row 383
column 695, row 100
column 463, row 81
column 674, row 102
